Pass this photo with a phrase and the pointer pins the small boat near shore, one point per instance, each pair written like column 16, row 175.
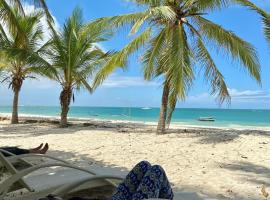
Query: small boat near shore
column 146, row 108
column 206, row 119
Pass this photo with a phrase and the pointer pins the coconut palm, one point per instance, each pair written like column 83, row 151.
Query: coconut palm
column 74, row 55
column 176, row 36
column 21, row 53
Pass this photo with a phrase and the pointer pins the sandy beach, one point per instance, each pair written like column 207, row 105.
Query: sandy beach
column 201, row 163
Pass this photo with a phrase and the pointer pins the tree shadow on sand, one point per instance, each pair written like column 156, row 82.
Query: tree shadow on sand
column 181, row 193
column 37, row 128
column 257, row 174
column 215, row 136
column 101, row 166
column 206, row 135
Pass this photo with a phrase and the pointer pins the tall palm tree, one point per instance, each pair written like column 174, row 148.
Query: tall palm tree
column 74, row 55
column 176, row 36
column 21, row 52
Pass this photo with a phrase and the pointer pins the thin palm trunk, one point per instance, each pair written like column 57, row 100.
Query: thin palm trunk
column 170, row 114
column 15, row 118
column 163, row 110
column 65, row 99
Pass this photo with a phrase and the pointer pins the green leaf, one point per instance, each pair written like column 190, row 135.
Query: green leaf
column 119, row 59
column 240, row 50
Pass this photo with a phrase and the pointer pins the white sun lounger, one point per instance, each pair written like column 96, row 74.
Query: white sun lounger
column 9, row 164
column 41, row 185
column 58, row 182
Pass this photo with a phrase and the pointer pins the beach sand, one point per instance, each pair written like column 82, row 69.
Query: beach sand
column 201, row 163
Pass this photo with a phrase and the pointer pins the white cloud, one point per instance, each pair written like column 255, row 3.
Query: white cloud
column 249, row 94
column 244, row 96
column 40, row 84
column 115, row 81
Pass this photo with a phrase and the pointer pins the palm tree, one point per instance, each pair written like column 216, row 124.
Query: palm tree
column 74, row 55
column 176, row 38
column 21, row 52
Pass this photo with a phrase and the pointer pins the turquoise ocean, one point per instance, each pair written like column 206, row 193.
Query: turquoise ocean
column 187, row 116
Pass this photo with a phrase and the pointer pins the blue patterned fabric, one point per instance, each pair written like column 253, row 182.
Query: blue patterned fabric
column 143, row 182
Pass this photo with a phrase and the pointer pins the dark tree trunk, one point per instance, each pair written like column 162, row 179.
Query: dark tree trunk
column 170, row 114
column 14, row 117
column 65, row 98
column 163, row 110
column 16, row 85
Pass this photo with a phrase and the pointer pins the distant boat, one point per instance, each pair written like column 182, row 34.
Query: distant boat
column 146, row 108
column 206, row 119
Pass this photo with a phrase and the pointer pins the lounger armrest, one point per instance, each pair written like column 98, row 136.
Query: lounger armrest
column 5, row 185
column 20, row 157
column 69, row 187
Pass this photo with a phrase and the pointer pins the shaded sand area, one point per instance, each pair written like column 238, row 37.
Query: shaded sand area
column 201, row 163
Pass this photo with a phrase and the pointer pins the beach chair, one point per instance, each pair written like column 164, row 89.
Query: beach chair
column 21, row 161
column 14, row 163
column 41, row 185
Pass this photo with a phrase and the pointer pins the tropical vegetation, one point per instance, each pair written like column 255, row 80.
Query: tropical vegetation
column 21, row 52
column 176, row 36
column 74, row 57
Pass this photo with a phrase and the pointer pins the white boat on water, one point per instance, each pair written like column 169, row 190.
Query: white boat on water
column 146, row 108
column 206, row 119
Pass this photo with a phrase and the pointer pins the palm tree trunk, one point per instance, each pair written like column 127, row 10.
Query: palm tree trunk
column 169, row 117
column 163, row 109
column 15, row 118
column 65, row 98
column 172, row 104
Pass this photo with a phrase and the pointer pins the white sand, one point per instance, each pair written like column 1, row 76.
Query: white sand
column 201, row 163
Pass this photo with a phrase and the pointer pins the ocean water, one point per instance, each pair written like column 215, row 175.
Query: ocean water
column 223, row 117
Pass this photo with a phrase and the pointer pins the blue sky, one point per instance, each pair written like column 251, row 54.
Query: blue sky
column 129, row 89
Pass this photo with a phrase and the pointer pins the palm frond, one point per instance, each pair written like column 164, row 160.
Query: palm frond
column 18, row 4
column 211, row 73
column 150, row 58
column 151, row 3
column 264, row 15
column 8, row 17
column 136, row 20
column 119, row 59
column 240, row 50
column 180, row 73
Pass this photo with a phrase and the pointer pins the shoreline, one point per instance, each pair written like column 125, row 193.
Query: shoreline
column 28, row 118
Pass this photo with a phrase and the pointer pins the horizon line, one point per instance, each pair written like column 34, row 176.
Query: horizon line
column 155, row 107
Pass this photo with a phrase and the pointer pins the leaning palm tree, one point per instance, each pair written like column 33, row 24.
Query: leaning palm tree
column 176, row 36
column 74, row 55
column 21, row 52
